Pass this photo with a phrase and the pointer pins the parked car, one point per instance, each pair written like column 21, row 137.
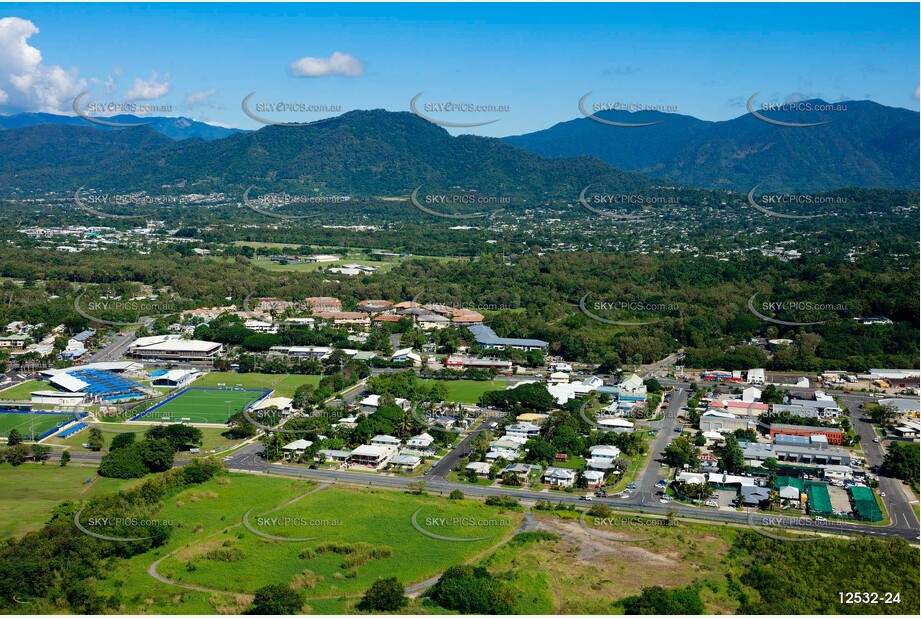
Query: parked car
column 632, row 486
column 820, row 519
column 712, row 503
column 876, row 440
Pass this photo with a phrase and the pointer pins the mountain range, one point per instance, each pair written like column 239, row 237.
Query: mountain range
column 381, row 153
column 863, row 144
column 361, row 153
column 178, row 128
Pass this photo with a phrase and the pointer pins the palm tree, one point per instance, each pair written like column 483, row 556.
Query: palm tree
column 405, row 425
column 773, row 499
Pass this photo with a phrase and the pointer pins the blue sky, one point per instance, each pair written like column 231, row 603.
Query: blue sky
column 538, row 60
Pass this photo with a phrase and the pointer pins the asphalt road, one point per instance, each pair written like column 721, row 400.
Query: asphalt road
column 113, row 350
column 646, row 491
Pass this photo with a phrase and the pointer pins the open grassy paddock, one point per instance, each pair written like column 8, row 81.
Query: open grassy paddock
column 350, row 547
column 202, row 405
column 29, row 492
column 469, row 391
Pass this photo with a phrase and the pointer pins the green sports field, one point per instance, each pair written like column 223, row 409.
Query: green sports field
column 202, row 406
column 284, row 385
column 27, row 423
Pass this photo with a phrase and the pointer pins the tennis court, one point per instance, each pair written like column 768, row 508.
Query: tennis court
column 202, row 405
column 37, row 424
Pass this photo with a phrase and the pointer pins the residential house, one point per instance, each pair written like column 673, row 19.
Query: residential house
column 372, row 456
column 559, row 477
column 594, row 478
column 422, row 442
column 385, row 441
column 296, row 448
column 481, row 468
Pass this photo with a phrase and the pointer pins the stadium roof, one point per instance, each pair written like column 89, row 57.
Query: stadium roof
column 68, row 382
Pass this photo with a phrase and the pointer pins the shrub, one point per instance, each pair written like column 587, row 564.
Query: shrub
column 276, row 600
column 473, row 590
column 384, row 595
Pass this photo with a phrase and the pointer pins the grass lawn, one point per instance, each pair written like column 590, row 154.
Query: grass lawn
column 382, row 266
column 340, row 515
column 469, row 391
column 284, row 385
column 29, row 492
column 30, row 425
column 454, row 477
column 210, row 547
column 23, row 392
column 574, row 463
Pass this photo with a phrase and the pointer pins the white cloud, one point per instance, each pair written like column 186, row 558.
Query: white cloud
column 149, row 89
column 199, row 98
column 27, row 84
column 916, row 94
column 337, row 64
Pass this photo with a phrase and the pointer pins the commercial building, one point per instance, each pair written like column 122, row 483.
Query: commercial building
column 834, row 435
column 488, row 339
column 175, row 378
column 714, row 420
column 174, row 347
column 323, row 304
column 478, row 363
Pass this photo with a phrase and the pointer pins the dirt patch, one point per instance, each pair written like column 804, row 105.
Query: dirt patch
column 590, row 547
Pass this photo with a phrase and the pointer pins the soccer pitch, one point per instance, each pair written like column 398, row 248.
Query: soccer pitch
column 202, row 405
column 26, row 424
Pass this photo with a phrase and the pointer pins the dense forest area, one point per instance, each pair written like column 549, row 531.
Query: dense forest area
column 661, row 302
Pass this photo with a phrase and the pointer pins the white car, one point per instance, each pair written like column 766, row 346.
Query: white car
column 711, row 503
column 820, row 519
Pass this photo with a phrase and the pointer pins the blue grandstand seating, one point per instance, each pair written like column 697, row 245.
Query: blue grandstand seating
column 107, row 385
column 72, row 430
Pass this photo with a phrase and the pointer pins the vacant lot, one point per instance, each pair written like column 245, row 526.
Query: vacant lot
column 29, row 492
column 591, row 566
column 469, row 391
column 347, row 546
column 355, row 545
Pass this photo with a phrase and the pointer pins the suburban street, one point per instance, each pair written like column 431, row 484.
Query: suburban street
column 249, row 460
